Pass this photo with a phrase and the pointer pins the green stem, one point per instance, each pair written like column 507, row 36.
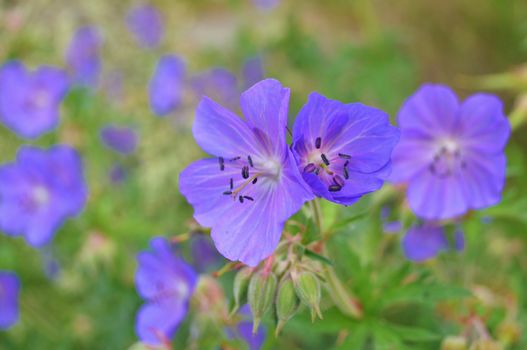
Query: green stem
column 342, row 298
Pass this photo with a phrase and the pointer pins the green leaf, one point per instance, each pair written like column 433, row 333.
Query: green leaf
column 318, row 257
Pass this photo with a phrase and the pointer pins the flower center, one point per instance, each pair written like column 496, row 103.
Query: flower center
column 330, row 166
column 250, row 171
column 448, row 159
column 40, row 196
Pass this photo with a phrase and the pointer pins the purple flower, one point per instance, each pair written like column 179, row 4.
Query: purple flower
column 424, row 242
column 253, row 71
column 218, row 84
column 119, row 139
column 451, row 153
column 117, row 173
column 265, row 4
column 252, row 186
column 166, row 283
column 166, row 85
column 29, row 101
column 245, row 330
column 204, row 256
column 343, row 150
column 9, row 290
column 39, row 191
column 146, row 24
column 83, row 57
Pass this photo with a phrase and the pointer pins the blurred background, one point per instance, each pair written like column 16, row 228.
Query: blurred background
column 78, row 292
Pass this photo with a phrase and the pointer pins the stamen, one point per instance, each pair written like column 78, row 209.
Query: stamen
column 318, row 142
column 310, row 168
column 334, row 188
column 338, row 181
column 346, row 174
column 241, row 199
column 235, row 159
column 324, row 159
column 231, row 184
column 222, row 163
column 255, row 180
column 250, row 161
column 317, row 171
column 248, row 198
column 227, row 193
column 245, row 172
column 344, row 156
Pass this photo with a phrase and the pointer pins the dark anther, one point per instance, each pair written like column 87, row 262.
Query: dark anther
column 346, row 174
column 324, row 159
column 245, row 172
column 317, row 170
column 231, row 184
column 250, row 161
column 310, row 168
column 334, row 188
column 318, row 142
column 235, row 159
column 255, row 180
column 227, row 193
column 222, row 163
column 344, row 156
column 338, row 181
column 248, row 198
column 241, row 199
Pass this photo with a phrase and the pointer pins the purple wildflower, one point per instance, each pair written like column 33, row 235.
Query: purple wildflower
column 252, row 186
column 146, row 24
column 451, row 153
column 252, row 71
column 117, row 173
column 425, row 242
column 9, row 290
column 166, row 85
column 342, row 150
column 39, row 191
column 218, row 84
column 166, row 283
column 265, row 4
column 119, row 139
column 204, row 256
column 245, row 330
column 29, row 101
column 83, row 57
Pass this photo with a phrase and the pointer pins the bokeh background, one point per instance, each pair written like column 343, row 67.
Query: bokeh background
column 78, row 292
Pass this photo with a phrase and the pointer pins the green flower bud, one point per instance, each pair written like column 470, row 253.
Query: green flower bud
column 454, row 343
column 240, row 287
column 287, row 303
column 261, row 293
column 307, row 287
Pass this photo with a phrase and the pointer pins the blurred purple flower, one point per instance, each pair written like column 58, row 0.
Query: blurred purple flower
column 166, row 85
column 146, row 24
column 245, row 330
column 39, row 191
column 252, row 71
column 166, row 283
column 342, row 150
column 204, row 256
column 252, row 186
column 117, row 173
column 9, row 293
column 29, row 101
column 424, row 242
column 265, row 4
column 83, row 57
column 218, row 84
column 390, row 227
column 120, row 139
column 451, row 154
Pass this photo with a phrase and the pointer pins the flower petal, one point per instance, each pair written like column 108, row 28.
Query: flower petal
column 9, row 290
column 423, row 243
column 166, row 86
column 156, row 323
column 411, row 155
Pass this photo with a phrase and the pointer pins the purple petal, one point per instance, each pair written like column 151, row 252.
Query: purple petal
column 146, row 23
column 265, row 5
column 9, row 293
column 119, row 139
column 166, row 86
column 204, row 255
column 423, row 243
column 265, row 106
column 411, row 155
column 432, row 110
column 83, row 56
column 219, row 85
column 157, row 322
column 254, row 341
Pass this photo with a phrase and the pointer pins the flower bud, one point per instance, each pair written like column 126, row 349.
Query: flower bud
column 262, row 288
column 240, row 287
column 454, row 343
column 287, row 303
column 307, row 287
column 485, row 344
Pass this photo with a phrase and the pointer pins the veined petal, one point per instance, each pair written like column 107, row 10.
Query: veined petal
column 432, row 110
column 411, row 155
column 265, row 106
